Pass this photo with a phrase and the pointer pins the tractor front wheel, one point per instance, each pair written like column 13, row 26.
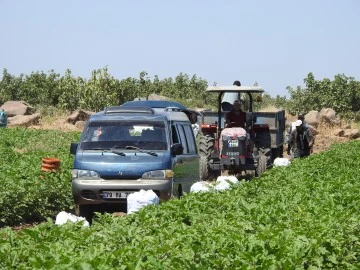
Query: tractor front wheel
column 204, row 169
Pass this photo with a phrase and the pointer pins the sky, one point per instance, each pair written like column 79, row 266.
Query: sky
column 272, row 43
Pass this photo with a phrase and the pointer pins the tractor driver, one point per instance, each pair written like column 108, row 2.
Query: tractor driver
column 236, row 117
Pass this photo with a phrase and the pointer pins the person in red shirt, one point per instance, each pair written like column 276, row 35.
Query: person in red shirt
column 236, row 117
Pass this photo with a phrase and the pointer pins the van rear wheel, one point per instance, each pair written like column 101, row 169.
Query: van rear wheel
column 180, row 191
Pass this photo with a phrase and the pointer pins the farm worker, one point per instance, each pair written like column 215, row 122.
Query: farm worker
column 292, row 127
column 3, row 119
column 236, row 117
column 301, row 140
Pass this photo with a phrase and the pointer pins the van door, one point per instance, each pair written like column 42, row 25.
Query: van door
column 185, row 166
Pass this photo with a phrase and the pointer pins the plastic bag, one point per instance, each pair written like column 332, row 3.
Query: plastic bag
column 137, row 200
column 64, row 217
column 281, row 162
column 200, row 186
column 224, row 182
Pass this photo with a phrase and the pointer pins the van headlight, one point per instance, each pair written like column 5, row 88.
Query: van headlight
column 84, row 174
column 158, row 174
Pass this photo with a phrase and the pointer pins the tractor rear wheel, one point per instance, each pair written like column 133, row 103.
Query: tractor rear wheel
column 206, row 147
column 261, row 167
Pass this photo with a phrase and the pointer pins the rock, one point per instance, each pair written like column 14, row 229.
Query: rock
column 13, row 108
column 312, row 118
column 352, row 133
column 24, row 120
column 339, row 132
column 327, row 116
column 327, row 113
column 335, row 122
column 79, row 115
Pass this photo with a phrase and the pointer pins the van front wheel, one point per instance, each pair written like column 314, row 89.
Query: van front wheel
column 85, row 211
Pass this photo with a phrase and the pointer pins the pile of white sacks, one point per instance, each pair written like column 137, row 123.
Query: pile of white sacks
column 226, row 182
column 221, row 183
column 138, row 200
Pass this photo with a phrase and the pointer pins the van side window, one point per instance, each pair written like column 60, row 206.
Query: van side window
column 190, row 139
column 183, row 139
column 175, row 138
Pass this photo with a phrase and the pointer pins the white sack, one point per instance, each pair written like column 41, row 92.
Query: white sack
column 200, row 186
column 223, row 182
column 139, row 199
column 231, row 178
column 278, row 162
column 64, row 217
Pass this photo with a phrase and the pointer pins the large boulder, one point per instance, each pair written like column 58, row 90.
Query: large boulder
column 79, row 115
column 347, row 133
column 352, row 133
column 328, row 116
column 24, row 120
column 13, row 108
column 312, row 118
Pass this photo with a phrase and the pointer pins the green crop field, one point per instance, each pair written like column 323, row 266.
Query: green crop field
column 305, row 216
column 27, row 194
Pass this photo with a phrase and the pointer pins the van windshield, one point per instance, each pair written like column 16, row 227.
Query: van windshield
column 147, row 135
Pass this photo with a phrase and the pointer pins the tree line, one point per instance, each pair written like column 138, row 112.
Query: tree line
column 69, row 92
column 100, row 90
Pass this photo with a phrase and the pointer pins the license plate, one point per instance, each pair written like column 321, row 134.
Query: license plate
column 116, row 194
column 236, row 154
column 233, row 143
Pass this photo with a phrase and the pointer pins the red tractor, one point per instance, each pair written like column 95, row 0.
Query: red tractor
column 228, row 149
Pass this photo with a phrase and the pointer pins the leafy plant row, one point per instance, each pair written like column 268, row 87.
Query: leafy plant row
column 300, row 217
column 27, row 194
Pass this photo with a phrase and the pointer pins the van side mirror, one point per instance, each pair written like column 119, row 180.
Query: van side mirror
column 177, row 149
column 254, row 118
column 73, row 147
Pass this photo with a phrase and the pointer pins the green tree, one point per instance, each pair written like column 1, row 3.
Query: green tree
column 40, row 88
column 10, row 87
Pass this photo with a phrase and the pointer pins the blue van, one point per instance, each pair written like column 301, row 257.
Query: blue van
column 139, row 145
